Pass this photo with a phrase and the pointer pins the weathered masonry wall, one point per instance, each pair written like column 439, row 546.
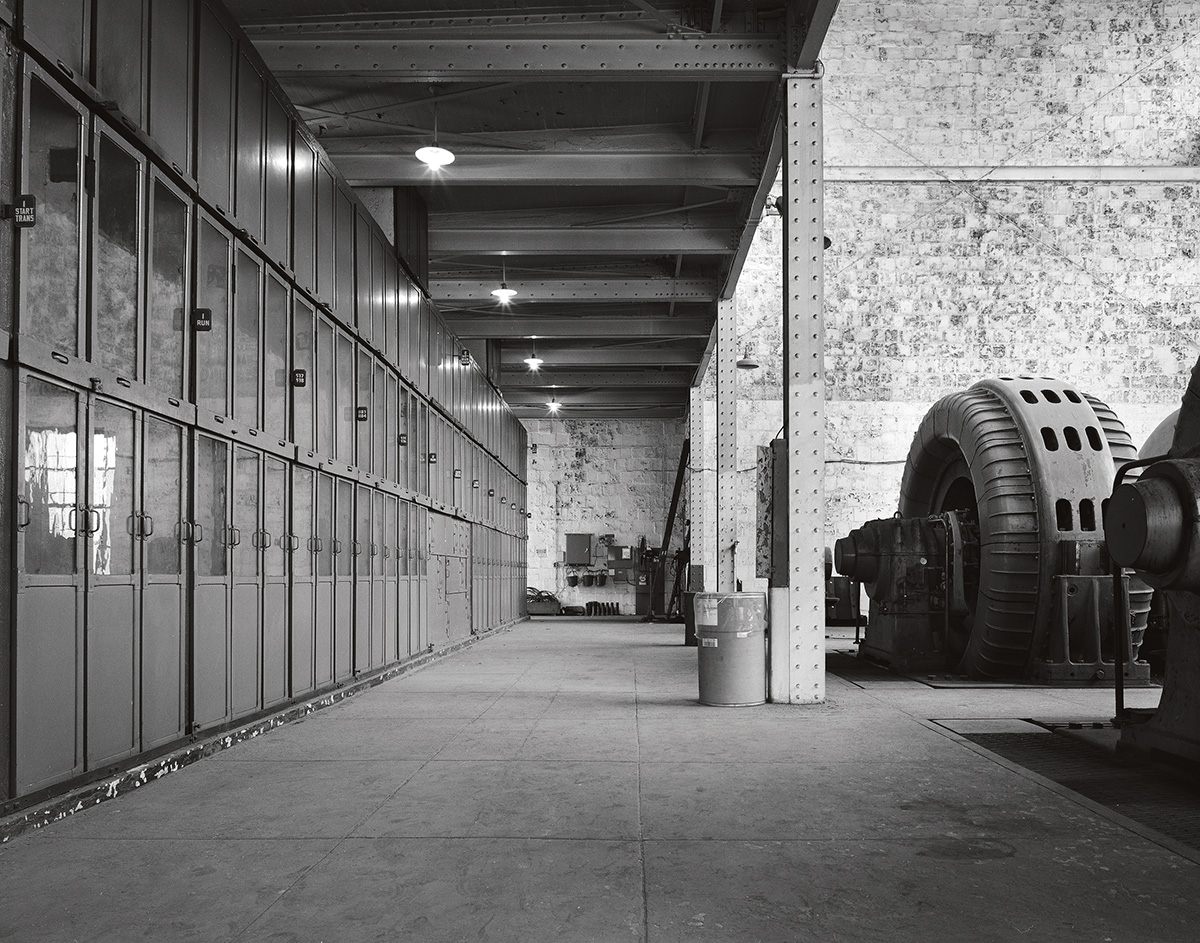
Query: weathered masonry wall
column 249, row 463
column 1010, row 188
column 599, row 477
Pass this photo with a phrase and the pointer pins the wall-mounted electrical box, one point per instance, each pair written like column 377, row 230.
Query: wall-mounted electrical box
column 622, row 558
column 579, row 550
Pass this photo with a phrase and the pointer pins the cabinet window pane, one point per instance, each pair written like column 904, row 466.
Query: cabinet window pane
column 212, row 353
column 275, row 376
column 51, row 306
column 167, row 291
column 51, row 478
column 162, row 486
column 246, row 341
column 117, row 214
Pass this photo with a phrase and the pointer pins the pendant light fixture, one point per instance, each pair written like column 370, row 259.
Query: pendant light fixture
column 433, row 156
column 533, row 361
column 503, row 294
column 747, row 362
column 554, row 405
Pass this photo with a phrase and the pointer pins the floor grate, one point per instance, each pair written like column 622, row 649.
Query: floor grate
column 1154, row 796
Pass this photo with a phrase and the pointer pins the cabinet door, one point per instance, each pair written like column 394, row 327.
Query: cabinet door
column 276, row 546
column 60, row 29
column 360, row 549
column 249, row 143
column 324, row 578
column 343, row 602
column 210, row 535
column 117, row 253
column 344, row 446
column 375, row 551
column 303, row 552
column 303, row 363
column 122, row 27
column 51, row 309
column 364, row 415
column 276, row 379
column 213, row 290
column 48, row 712
column 214, row 119
column 326, row 227
column 112, row 521
column 247, row 341
column 167, row 291
column 170, row 85
column 343, row 302
column 326, row 392
column 277, row 197
column 389, row 549
column 246, row 653
column 164, row 599
column 379, row 421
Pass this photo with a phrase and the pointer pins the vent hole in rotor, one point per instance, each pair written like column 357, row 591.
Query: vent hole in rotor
column 1062, row 510
column 1094, row 440
column 1050, row 439
column 1051, row 396
column 1029, row 396
column 1072, row 396
column 1071, row 434
column 1087, row 515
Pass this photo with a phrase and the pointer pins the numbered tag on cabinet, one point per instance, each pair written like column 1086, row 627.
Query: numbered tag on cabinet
column 299, row 378
column 361, row 413
column 202, row 319
column 24, row 211
column 433, row 458
column 404, row 438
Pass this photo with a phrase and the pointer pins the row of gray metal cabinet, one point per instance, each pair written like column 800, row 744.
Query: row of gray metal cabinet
column 174, row 285
column 110, row 272
column 171, row 581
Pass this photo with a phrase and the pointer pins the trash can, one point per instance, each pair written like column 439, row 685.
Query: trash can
column 732, row 632
column 689, row 619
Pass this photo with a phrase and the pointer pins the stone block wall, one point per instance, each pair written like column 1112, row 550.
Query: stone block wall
column 1011, row 187
column 599, row 477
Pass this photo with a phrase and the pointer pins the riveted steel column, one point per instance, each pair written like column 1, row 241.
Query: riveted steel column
column 727, row 485
column 696, row 502
column 798, row 651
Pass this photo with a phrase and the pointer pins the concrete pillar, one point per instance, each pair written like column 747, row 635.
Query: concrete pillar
column 798, row 631
column 725, row 354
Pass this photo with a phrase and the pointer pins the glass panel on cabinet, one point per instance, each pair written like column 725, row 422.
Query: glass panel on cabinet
column 116, row 258
column 51, row 486
column 50, row 310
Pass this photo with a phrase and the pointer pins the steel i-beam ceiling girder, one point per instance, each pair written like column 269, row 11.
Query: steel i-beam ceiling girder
column 724, row 58
column 551, row 379
column 539, row 168
column 572, row 326
column 578, row 289
column 677, row 355
column 609, row 240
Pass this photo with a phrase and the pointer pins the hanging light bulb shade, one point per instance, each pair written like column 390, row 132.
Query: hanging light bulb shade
column 435, row 157
column 533, row 362
column 504, row 294
column 554, row 405
column 432, row 155
column 747, row 362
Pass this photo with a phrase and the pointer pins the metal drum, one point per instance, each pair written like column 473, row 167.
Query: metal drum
column 732, row 631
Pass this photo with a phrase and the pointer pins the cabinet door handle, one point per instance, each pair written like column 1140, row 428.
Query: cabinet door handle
column 147, row 525
column 233, row 536
column 198, row 531
column 26, row 516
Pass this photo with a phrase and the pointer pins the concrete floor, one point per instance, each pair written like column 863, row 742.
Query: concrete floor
column 560, row 783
